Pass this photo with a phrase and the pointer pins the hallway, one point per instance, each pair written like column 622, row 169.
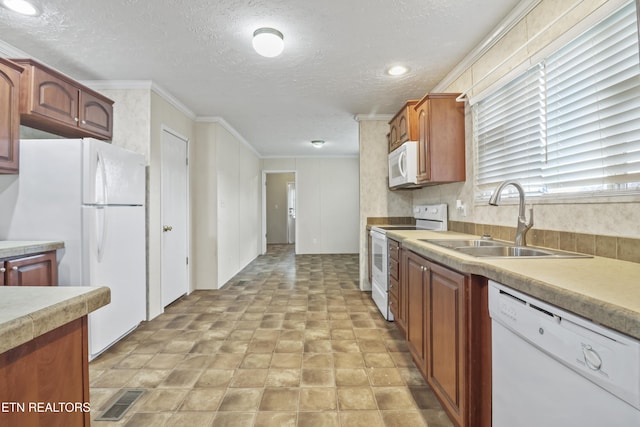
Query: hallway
column 289, row 341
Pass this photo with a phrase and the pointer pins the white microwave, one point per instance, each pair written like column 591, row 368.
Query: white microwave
column 403, row 165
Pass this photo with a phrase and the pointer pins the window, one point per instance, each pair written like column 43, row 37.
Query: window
column 570, row 125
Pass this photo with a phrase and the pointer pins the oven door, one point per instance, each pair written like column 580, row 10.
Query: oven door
column 379, row 258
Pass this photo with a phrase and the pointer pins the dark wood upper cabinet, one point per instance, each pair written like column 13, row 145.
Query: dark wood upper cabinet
column 404, row 126
column 9, row 116
column 52, row 102
column 441, row 143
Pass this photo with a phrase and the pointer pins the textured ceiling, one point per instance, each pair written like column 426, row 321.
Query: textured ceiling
column 333, row 65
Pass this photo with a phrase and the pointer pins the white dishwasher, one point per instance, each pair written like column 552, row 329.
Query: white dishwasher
column 555, row 369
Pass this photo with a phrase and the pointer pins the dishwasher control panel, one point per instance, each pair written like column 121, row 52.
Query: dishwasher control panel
column 604, row 356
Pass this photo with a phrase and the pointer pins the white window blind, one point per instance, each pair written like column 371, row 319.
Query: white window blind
column 570, row 124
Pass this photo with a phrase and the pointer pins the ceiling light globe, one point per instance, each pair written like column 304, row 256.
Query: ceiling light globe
column 268, row 42
column 21, row 6
column 317, row 143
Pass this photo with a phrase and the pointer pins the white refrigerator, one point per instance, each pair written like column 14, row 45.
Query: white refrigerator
column 89, row 194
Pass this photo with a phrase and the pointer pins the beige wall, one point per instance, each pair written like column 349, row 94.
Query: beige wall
column 226, row 180
column 277, row 214
column 327, row 202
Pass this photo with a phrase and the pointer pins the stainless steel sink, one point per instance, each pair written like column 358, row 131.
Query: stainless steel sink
column 463, row 243
column 499, row 249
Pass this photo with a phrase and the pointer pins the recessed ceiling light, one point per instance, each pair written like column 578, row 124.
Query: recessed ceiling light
column 21, row 6
column 317, row 143
column 268, row 42
column 397, row 70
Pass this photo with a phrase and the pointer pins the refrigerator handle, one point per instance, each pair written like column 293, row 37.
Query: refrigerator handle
column 101, row 230
column 103, row 181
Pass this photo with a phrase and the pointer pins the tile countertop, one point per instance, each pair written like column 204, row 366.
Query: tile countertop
column 26, row 312
column 604, row 290
column 11, row 248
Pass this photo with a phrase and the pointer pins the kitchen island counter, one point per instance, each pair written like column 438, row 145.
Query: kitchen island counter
column 603, row 290
column 44, row 367
column 27, row 312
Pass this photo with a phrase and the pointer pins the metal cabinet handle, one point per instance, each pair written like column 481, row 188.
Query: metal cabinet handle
column 2, row 269
column 76, row 119
column 14, row 268
column 167, row 228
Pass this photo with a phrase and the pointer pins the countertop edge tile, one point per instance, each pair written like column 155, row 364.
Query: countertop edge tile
column 16, row 332
column 588, row 287
column 45, row 317
column 13, row 248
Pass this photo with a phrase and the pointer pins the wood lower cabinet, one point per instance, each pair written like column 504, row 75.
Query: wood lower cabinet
column 446, row 339
column 49, row 377
column 9, row 116
column 33, row 270
column 393, row 250
column 53, row 102
column 417, row 278
column 448, row 332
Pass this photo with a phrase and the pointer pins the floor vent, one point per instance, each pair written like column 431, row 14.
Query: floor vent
column 121, row 405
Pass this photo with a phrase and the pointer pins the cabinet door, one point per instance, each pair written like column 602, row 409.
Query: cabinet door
column 96, row 114
column 54, row 98
column 36, row 270
column 3, row 273
column 393, row 135
column 401, row 315
column 424, row 159
column 417, row 278
column 9, row 116
column 446, row 339
column 369, row 271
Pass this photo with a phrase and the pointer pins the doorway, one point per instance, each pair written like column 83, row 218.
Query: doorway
column 174, row 215
column 279, row 208
column 291, row 212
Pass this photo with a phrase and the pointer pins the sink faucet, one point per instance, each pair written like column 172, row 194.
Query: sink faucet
column 523, row 227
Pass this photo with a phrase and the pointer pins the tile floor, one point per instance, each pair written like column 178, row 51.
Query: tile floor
column 289, row 341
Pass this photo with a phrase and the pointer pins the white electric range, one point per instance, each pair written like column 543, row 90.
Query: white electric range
column 428, row 217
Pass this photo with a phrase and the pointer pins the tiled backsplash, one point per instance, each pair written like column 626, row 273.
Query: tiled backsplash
column 621, row 248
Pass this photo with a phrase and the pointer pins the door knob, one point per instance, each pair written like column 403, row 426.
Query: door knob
column 167, row 228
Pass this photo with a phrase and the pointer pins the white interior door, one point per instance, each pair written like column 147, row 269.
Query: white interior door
column 175, row 226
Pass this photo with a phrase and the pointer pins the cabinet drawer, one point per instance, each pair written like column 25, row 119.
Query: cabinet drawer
column 34, row 270
column 393, row 249
column 393, row 305
column 393, row 288
column 394, row 270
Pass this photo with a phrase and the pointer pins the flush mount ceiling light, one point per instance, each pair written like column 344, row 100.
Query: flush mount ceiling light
column 397, row 70
column 22, row 7
column 317, row 143
column 268, row 42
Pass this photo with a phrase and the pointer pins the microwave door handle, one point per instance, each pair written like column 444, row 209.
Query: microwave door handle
column 401, row 158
